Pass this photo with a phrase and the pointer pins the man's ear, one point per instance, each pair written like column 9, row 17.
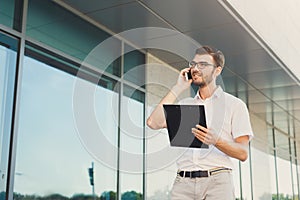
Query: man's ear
column 218, row 70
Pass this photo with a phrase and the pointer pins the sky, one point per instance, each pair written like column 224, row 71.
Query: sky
column 51, row 154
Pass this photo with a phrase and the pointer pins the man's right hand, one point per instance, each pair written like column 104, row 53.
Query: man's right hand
column 157, row 118
column 182, row 84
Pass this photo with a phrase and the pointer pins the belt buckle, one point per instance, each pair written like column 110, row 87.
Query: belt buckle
column 207, row 173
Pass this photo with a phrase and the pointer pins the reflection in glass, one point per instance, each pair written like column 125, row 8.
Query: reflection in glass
column 52, row 159
column 263, row 169
column 282, row 145
column 8, row 57
column 246, row 179
column 57, row 27
column 134, row 67
column 132, row 143
column 7, row 12
column 284, row 178
column 236, row 178
column 295, row 183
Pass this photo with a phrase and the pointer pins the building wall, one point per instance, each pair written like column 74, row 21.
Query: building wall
column 277, row 23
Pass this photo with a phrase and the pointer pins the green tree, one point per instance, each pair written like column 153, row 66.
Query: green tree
column 55, row 197
column 110, row 195
column 281, row 197
column 26, row 197
column 2, row 195
column 132, row 195
column 83, row 197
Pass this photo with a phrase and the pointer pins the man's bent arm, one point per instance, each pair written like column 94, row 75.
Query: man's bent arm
column 237, row 149
column 157, row 118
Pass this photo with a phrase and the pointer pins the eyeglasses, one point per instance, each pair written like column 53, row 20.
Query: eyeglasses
column 200, row 65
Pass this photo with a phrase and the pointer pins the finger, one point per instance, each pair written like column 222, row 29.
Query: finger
column 200, row 137
column 185, row 70
column 199, row 134
column 197, row 131
column 202, row 128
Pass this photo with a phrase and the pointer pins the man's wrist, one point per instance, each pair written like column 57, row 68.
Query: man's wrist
column 177, row 90
column 219, row 143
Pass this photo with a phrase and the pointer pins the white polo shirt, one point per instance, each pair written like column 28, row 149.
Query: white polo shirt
column 227, row 116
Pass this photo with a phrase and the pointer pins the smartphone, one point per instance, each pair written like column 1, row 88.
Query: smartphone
column 188, row 75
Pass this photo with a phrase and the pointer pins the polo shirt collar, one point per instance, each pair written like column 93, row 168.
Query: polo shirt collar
column 217, row 93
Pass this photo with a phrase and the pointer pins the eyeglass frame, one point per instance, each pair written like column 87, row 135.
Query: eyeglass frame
column 200, row 65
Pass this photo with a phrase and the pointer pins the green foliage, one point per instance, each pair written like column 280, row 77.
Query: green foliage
column 132, row 195
column 2, row 195
column 83, row 197
column 54, row 197
column 108, row 195
column 281, row 197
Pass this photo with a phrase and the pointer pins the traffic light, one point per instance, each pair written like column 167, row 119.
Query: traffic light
column 91, row 174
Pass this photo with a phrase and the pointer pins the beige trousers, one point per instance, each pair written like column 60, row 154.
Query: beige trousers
column 215, row 187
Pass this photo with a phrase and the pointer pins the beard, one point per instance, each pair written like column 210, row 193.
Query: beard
column 205, row 80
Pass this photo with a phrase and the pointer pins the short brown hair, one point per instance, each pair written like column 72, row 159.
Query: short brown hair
column 217, row 55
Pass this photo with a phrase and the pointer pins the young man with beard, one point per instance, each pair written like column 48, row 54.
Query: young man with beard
column 206, row 173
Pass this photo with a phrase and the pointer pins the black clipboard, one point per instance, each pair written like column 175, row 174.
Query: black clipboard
column 180, row 120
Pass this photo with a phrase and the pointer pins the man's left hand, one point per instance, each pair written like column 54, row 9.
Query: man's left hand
column 205, row 135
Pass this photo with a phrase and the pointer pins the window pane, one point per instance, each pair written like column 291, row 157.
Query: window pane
column 134, row 94
column 246, row 182
column 282, row 145
column 134, row 67
column 132, row 144
column 8, row 57
column 7, row 12
column 283, row 165
column 52, row 25
column 284, row 178
column 263, row 169
column 53, row 155
column 295, row 184
column 236, row 178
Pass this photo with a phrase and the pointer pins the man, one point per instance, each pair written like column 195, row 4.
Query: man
column 206, row 173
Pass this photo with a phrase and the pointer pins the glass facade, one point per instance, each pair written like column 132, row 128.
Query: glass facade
column 7, row 12
column 132, row 141
column 8, row 61
column 82, row 104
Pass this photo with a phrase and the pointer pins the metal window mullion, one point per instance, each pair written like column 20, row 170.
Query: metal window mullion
column 297, row 172
column 240, row 163
column 144, row 135
column 121, row 84
column 251, row 172
column 291, row 165
column 290, row 155
column 144, row 154
column 250, row 155
column 275, row 154
column 241, row 187
column 296, row 160
column 119, row 141
column 10, row 31
column 18, row 15
column 16, row 103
